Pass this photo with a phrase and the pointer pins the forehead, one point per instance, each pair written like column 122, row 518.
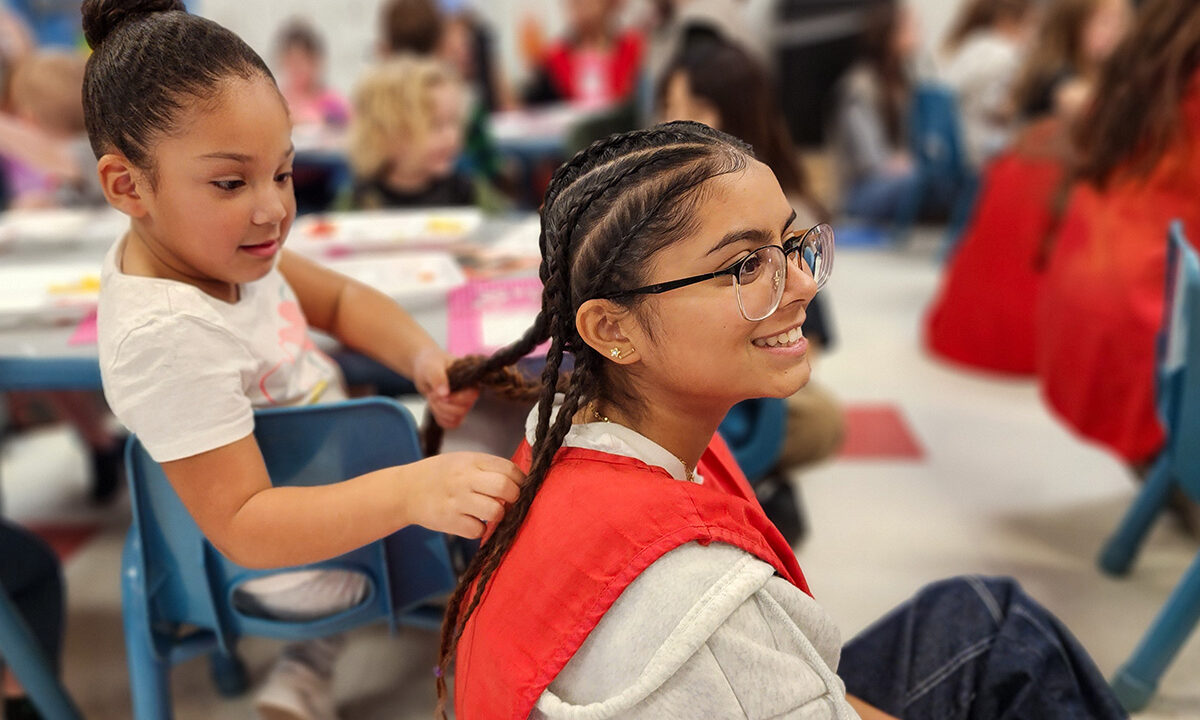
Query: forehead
column 748, row 199
column 244, row 116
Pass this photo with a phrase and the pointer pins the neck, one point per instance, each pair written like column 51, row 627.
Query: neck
column 683, row 431
column 145, row 256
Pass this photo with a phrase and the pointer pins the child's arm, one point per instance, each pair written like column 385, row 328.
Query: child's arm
column 229, row 495
column 366, row 320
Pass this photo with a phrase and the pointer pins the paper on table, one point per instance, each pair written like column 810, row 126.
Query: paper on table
column 67, row 225
column 404, row 276
column 485, row 316
column 341, row 233
column 50, row 292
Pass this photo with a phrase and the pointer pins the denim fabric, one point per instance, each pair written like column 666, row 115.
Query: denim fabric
column 975, row 648
column 31, row 575
column 883, row 199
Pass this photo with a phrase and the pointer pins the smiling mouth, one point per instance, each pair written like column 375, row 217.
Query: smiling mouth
column 787, row 338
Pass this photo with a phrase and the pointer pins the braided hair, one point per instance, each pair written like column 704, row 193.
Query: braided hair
column 606, row 213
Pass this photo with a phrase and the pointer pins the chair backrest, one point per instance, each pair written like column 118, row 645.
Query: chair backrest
column 1179, row 360
column 188, row 582
column 754, row 430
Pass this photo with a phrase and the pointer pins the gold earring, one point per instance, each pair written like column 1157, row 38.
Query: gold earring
column 615, row 353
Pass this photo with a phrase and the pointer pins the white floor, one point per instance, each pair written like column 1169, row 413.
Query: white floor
column 1002, row 489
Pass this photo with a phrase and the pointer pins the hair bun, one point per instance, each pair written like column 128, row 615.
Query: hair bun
column 101, row 17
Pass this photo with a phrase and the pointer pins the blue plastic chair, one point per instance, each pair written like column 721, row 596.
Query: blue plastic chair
column 173, row 579
column 754, row 431
column 1179, row 407
column 20, row 651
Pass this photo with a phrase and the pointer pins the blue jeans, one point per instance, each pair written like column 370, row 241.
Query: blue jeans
column 975, row 648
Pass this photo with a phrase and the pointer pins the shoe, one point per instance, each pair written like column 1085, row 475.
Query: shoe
column 294, row 691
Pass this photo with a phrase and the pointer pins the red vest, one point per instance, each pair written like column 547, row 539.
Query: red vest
column 598, row 521
column 621, row 70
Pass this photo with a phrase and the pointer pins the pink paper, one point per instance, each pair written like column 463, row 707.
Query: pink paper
column 85, row 331
column 484, row 316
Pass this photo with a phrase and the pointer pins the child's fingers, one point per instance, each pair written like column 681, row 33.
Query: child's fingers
column 484, row 508
column 448, row 419
column 500, row 466
column 499, row 486
column 466, row 526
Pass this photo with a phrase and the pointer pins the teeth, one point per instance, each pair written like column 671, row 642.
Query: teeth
column 785, row 338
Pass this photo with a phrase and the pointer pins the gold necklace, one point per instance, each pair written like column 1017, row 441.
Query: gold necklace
column 687, row 473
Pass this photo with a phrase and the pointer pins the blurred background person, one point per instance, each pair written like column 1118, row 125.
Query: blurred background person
column 594, row 63
column 878, row 176
column 1102, row 299
column 1074, row 38
column 300, row 54
column 406, row 136
column 984, row 315
column 981, row 56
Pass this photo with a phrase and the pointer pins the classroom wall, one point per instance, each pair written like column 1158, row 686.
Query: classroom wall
column 349, row 26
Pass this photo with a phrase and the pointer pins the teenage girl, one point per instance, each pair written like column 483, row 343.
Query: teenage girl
column 204, row 317
column 636, row 576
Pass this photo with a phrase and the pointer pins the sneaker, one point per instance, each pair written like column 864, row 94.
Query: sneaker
column 294, row 691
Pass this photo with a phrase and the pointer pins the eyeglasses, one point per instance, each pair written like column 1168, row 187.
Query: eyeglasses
column 760, row 277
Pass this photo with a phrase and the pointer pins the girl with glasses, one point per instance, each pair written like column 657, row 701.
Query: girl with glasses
column 636, row 576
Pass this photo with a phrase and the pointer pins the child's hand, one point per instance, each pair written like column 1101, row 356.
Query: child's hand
column 429, row 375
column 460, row 492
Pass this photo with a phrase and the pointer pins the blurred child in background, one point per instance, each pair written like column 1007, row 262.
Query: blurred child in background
column 878, row 174
column 50, row 163
column 984, row 315
column 1065, row 57
column 982, row 55
column 595, row 63
column 1102, row 298
column 301, row 57
column 407, row 134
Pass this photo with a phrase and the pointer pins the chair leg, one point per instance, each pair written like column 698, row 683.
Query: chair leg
column 28, row 663
column 1122, row 547
column 1136, row 680
column 149, row 673
column 228, row 673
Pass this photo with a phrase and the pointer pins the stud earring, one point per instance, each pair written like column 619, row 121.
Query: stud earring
column 615, row 353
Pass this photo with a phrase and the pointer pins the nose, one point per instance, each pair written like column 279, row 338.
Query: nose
column 800, row 283
column 271, row 207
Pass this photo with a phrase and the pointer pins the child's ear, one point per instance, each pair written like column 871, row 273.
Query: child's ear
column 599, row 323
column 123, row 184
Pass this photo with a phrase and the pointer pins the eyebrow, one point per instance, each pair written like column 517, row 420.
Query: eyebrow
column 241, row 157
column 756, row 234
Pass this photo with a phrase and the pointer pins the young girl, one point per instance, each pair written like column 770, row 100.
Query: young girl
column 301, row 57
column 595, row 63
column 1102, row 299
column 406, row 136
column 878, row 171
column 203, row 317
column 636, row 576
column 984, row 315
column 1072, row 41
column 982, row 55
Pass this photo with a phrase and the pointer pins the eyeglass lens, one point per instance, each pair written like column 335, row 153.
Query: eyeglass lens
column 763, row 275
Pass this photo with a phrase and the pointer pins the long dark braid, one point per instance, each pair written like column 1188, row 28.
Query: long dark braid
column 606, row 213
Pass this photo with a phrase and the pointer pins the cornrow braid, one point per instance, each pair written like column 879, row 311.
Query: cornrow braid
column 606, row 213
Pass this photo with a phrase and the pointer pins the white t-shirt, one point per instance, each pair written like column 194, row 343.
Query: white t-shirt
column 185, row 371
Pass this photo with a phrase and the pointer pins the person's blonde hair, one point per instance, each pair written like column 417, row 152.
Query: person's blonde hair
column 392, row 101
column 48, row 87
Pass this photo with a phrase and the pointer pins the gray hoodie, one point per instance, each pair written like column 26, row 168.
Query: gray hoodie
column 705, row 631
